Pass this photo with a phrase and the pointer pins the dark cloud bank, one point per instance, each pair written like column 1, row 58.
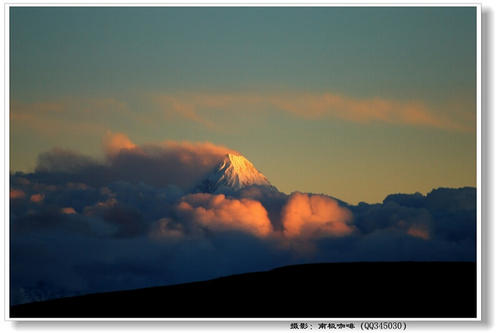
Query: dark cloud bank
column 78, row 225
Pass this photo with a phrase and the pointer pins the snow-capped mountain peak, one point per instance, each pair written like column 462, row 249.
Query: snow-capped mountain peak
column 233, row 173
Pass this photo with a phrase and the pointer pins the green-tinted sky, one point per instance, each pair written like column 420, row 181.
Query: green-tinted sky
column 353, row 102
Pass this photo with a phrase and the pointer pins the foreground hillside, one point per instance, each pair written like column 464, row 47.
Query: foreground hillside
column 334, row 290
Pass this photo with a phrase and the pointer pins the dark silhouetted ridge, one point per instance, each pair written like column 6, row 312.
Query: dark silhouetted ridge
column 334, row 290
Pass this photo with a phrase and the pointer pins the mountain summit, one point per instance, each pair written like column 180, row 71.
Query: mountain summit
column 233, row 173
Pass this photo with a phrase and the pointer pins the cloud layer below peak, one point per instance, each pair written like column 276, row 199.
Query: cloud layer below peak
column 132, row 220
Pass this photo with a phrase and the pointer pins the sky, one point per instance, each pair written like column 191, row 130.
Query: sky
column 118, row 115
column 355, row 103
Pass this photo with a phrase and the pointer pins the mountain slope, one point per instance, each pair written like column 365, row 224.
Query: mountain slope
column 232, row 174
column 332, row 290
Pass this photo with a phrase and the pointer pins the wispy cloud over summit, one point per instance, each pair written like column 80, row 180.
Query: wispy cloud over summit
column 195, row 107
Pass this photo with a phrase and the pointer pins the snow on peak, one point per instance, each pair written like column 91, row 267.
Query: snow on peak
column 233, row 173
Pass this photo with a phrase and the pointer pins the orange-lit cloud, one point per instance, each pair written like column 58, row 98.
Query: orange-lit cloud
column 67, row 116
column 197, row 152
column 315, row 106
column 68, row 210
column 38, row 107
column 164, row 228
column 185, row 151
column 17, row 194
column 171, row 105
column 178, row 163
column 111, row 202
column 182, row 163
column 366, row 110
column 419, row 231
column 220, row 213
column 306, row 215
column 116, row 142
column 77, row 186
column 38, row 197
column 93, row 116
column 194, row 147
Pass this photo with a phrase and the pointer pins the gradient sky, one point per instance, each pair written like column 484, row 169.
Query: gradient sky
column 352, row 102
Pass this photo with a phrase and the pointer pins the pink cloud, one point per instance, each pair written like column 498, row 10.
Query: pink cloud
column 220, row 213
column 184, row 151
column 38, row 197
column 164, row 228
column 181, row 163
column 172, row 105
column 17, row 194
column 53, row 118
column 115, row 142
column 309, row 215
column 366, row 110
column 111, row 202
column 419, row 231
column 204, row 153
column 68, row 210
column 316, row 106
